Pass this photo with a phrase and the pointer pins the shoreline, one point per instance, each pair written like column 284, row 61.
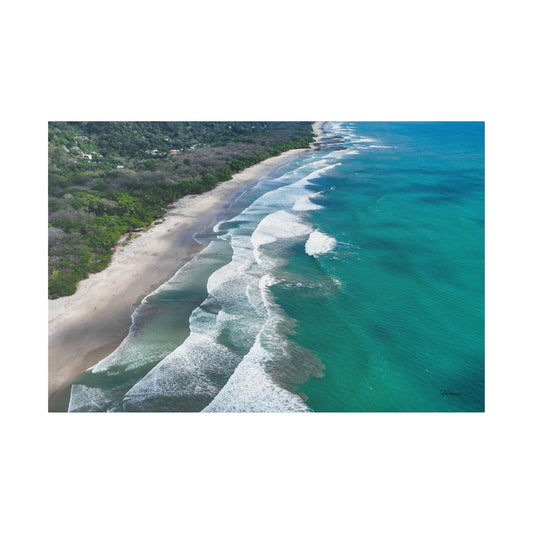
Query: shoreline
column 87, row 326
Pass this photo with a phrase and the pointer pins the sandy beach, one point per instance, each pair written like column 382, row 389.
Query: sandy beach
column 87, row 326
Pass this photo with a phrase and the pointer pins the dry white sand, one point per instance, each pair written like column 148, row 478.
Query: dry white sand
column 90, row 324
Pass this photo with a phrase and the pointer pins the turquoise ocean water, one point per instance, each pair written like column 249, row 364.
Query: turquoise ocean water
column 345, row 280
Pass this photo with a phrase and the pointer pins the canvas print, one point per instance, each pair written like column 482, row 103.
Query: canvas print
column 266, row 266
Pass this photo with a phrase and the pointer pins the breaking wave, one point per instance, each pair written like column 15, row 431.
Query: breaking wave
column 319, row 243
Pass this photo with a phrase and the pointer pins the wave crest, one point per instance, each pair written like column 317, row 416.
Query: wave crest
column 278, row 225
column 319, row 243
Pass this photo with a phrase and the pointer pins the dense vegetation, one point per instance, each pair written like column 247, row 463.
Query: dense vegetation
column 107, row 179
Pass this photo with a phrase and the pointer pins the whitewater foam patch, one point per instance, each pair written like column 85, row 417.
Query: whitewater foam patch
column 256, row 384
column 251, row 389
column 278, row 225
column 284, row 198
column 363, row 140
column 186, row 380
column 304, row 204
column 88, row 399
column 319, row 243
column 316, row 174
column 297, row 172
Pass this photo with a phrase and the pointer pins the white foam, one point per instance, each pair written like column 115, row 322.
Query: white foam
column 192, row 373
column 278, row 225
column 285, row 197
column 186, row 373
column 317, row 173
column 251, row 389
column 304, row 204
column 227, row 273
column 216, row 227
column 87, row 399
column 363, row 140
column 235, row 304
column 289, row 176
column 132, row 352
column 319, row 243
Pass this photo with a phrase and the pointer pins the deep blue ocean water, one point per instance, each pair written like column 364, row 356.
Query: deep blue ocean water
column 345, row 280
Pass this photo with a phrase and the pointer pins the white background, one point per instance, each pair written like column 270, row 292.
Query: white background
column 297, row 60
